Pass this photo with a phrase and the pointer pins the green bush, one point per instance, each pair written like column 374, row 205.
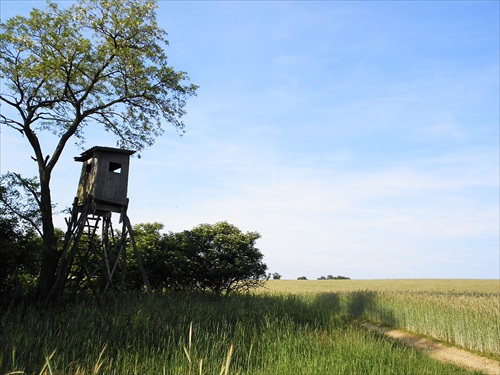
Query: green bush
column 20, row 252
column 218, row 258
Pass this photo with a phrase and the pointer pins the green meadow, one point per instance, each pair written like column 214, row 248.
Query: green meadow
column 288, row 327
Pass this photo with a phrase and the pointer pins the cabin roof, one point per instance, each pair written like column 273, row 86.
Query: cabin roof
column 90, row 152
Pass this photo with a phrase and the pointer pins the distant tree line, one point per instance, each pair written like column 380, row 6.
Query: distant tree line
column 329, row 277
column 277, row 276
column 274, row 276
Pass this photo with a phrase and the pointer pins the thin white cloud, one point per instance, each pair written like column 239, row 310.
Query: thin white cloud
column 342, row 216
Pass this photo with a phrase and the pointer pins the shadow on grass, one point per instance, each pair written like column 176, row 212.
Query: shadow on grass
column 361, row 303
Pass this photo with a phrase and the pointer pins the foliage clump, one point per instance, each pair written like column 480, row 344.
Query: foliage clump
column 20, row 260
column 218, row 258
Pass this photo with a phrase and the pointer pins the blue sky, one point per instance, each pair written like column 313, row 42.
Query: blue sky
column 358, row 138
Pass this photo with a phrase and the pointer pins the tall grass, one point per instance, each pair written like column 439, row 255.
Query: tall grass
column 200, row 334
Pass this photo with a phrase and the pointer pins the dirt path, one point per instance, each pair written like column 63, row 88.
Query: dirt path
column 441, row 352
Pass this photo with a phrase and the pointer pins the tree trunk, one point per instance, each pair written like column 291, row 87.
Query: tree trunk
column 50, row 256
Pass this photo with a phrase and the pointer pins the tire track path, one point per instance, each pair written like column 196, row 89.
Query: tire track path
column 440, row 351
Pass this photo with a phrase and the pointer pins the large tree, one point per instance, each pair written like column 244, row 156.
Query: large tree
column 94, row 63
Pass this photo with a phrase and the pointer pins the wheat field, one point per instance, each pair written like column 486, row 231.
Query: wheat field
column 394, row 285
column 465, row 313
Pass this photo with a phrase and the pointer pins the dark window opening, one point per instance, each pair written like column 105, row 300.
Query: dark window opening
column 115, row 167
column 88, row 167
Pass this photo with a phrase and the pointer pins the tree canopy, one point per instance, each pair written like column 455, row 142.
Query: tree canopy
column 94, row 62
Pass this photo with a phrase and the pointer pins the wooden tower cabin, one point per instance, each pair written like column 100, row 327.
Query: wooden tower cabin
column 104, row 178
column 94, row 254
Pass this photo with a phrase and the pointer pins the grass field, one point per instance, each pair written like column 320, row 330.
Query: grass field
column 290, row 327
